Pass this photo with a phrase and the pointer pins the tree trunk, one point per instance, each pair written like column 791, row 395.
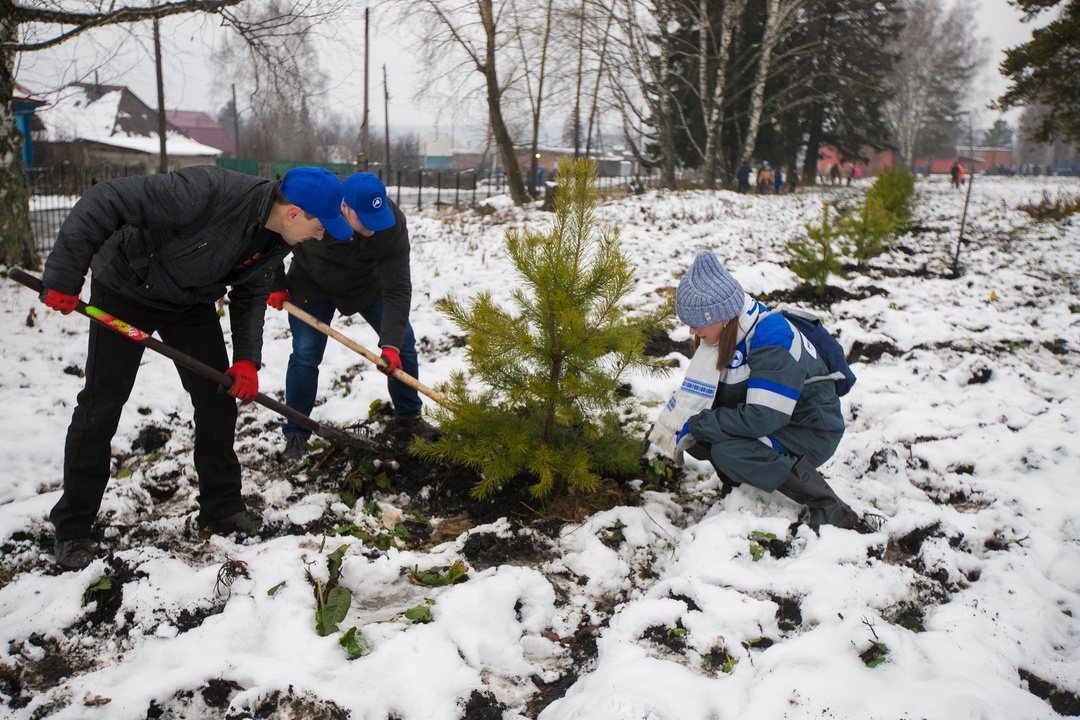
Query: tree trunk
column 813, row 146
column 666, row 129
column 16, row 237
column 593, row 112
column 503, row 141
column 533, row 154
column 577, row 88
column 757, row 95
column 713, row 103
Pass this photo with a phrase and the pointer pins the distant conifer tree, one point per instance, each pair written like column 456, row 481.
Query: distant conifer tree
column 546, row 393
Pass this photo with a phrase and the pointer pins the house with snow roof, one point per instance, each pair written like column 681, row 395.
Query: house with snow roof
column 86, row 125
column 204, row 129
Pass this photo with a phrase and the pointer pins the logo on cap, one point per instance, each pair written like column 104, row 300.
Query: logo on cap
column 376, row 203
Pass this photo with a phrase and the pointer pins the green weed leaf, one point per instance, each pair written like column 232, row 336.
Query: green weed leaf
column 102, row 583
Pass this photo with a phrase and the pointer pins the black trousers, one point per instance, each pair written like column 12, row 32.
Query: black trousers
column 112, row 362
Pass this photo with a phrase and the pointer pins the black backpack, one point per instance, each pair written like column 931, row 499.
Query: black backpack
column 829, row 349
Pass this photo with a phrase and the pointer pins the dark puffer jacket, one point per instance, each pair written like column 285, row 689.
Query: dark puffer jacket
column 354, row 274
column 173, row 241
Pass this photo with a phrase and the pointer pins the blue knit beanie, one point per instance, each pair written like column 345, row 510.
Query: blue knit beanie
column 707, row 294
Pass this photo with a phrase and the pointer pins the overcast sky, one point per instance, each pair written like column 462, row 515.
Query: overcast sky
column 192, row 85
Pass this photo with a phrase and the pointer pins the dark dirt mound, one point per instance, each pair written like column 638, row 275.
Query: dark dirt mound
column 437, row 490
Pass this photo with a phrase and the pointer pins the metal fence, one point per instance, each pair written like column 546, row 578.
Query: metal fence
column 53, row 190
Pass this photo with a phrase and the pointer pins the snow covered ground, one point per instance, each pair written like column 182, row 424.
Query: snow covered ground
column 962, row 432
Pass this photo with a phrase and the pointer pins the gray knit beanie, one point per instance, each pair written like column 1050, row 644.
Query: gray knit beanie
column 707, row 294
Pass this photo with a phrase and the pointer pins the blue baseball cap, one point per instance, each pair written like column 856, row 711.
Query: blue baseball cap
column 366, row 195
column 318, row 192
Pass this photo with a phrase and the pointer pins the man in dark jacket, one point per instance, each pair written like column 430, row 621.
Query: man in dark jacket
column 163, row 250
column 369, row 274
column 743, row 176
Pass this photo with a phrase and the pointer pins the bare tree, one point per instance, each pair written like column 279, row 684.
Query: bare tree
column 28, row 28
column 467, row 35
column 273, row 60
column 640, row 78
column 527, row 29
column 713, row 58
column 779, row 18
column 937, row 61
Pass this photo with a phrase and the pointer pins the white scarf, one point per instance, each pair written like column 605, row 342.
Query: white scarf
column 696, row 392
column 694, row 395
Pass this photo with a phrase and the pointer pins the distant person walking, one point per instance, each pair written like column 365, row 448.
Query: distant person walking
column 765, row 178
column 743, row 177
column 956, row 172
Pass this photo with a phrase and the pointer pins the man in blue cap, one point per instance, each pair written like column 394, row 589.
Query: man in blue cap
column 164, row 249
column 367, row 274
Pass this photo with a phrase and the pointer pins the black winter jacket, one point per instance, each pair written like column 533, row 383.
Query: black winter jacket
column 353, row 274
column 173, row 241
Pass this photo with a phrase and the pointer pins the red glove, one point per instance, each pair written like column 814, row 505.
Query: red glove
column 277, row 299
column 245, row 380
column 392, row 359
column 59, row 301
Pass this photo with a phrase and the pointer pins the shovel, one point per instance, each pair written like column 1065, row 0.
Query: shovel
column 379, row 362
column 332, row 434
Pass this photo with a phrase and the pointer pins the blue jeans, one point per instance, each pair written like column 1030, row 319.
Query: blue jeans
column 302, row 377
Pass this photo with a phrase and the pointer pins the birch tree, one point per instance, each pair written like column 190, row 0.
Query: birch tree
column 714, row 55
column 937, row 61
column 643, row 49
column 780, row 16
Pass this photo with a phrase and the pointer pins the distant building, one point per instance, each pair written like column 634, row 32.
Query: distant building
column 87, row 125
column 974, row 159
column 437, row 150
column 828, row 156
column 26, row 103
column 202, row 128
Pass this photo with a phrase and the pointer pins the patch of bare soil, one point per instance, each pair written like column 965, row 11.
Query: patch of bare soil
column 807, row 295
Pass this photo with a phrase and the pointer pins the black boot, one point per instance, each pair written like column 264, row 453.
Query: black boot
column 806, row 486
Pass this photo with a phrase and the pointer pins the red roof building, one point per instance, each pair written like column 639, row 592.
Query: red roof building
column 202, row 128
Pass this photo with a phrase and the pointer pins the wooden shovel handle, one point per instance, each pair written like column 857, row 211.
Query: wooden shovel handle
column 379, row 363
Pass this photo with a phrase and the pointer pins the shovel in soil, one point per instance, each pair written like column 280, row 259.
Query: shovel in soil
column 334, row 435
column 379, row 362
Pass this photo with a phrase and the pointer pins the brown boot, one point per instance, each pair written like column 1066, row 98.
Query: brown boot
column 806, row 486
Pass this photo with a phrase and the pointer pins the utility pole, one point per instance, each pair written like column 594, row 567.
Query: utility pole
column 386, row 119
column 362, row 162
column 236, row 122
column 163, row 156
